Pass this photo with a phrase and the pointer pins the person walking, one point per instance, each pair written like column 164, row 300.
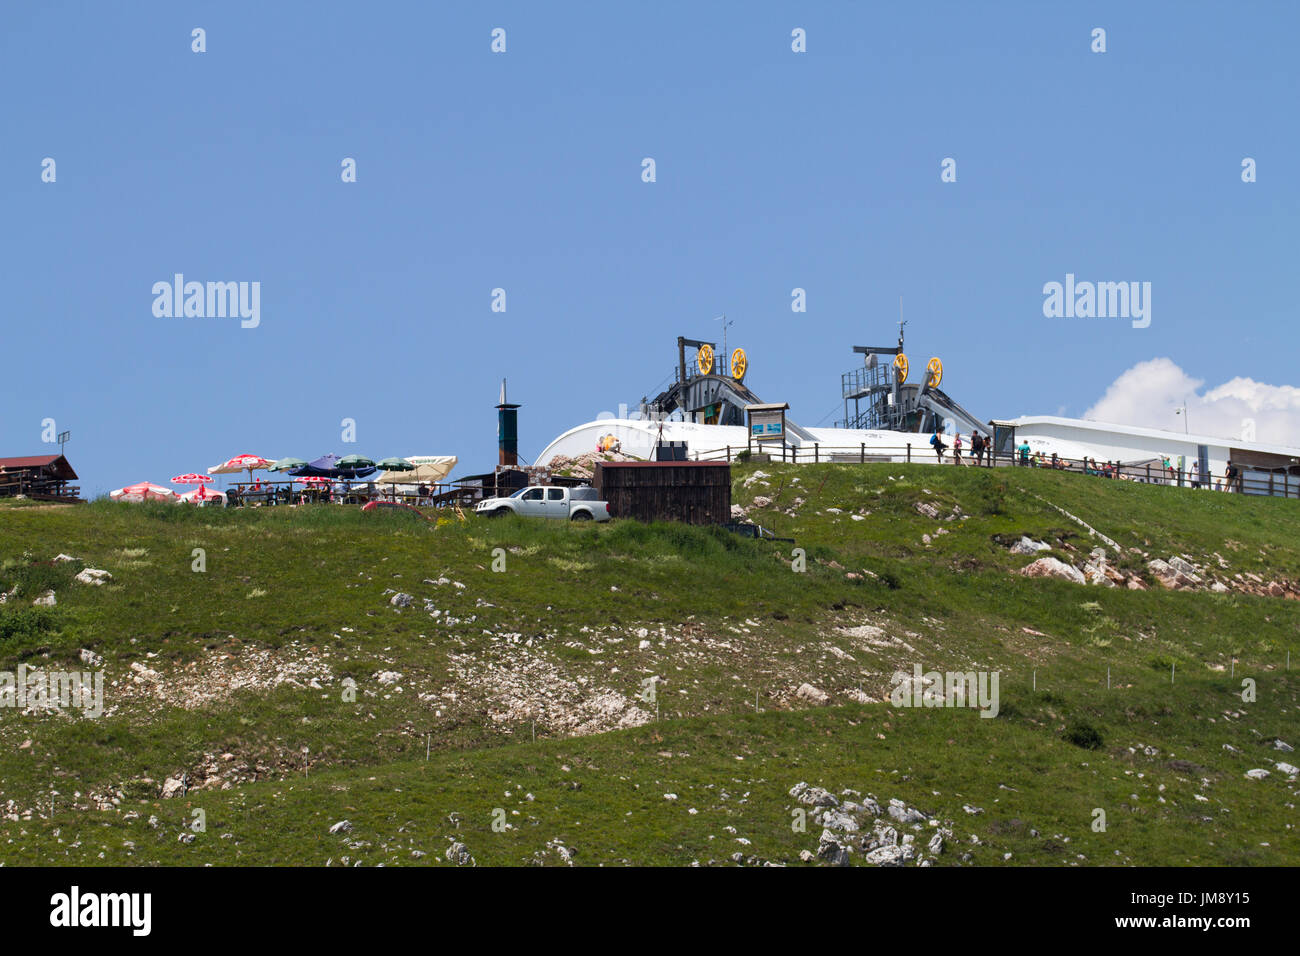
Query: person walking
column 956, row 448
column 1024, row 453
column 977, row 447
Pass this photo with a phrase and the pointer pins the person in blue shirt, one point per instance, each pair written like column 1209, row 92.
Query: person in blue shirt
column 938, row 444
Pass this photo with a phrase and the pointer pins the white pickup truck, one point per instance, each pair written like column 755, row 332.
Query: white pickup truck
column 548, row 501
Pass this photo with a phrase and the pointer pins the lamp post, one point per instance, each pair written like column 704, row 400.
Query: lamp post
column 1182, row 410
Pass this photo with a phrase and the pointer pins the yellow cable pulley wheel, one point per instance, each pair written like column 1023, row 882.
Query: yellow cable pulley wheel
column 704, row 359
column 900, row 366
column 934, row 372
column 739, row 364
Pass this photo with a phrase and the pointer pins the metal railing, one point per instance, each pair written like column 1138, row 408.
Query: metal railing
column 1271, row 484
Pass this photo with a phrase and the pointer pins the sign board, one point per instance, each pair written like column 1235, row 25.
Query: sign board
column 1004, row 439
column 767, row 422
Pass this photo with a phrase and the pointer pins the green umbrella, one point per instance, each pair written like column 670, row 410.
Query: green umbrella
column 354, row 462
column 396, row 464
column 287, row 464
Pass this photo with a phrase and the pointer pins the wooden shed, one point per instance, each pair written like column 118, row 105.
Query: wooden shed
column 38, row 476
column 693, row 492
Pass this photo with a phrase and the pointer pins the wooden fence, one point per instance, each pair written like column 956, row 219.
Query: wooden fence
column 1279, row 484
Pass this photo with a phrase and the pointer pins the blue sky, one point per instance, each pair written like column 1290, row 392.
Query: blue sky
column 522, row 171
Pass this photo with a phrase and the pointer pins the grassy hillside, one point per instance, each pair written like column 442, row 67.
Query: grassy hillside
column 605, row 667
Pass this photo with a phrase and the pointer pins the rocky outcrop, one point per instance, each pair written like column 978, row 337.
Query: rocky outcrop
column 857, row 826
column 814, row 695
column 1053, row 568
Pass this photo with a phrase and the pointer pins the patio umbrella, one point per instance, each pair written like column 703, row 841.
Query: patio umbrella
column 329, row 466
column 192, row 479
column 429, row 470
column 143, row 491
column 287, row 464
column 391, row 465
column 355, row 463
column 249, row 463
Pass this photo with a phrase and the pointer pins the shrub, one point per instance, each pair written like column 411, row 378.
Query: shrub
column 26, row 623
column 1083, row 734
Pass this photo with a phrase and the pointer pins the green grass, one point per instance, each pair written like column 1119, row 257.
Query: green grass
column 585, row 611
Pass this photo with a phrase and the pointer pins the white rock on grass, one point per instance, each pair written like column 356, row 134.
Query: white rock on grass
column 830, row 850
column 888, row 856
column 92, row 576
column 905, row 814
column 458, row 853
column 812, row 694
column 1052, row 568
column 813, row 796
column 1027, row 545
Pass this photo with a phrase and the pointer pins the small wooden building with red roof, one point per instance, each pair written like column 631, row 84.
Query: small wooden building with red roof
column 38, row 476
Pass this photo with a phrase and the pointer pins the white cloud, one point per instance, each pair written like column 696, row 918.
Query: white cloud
column 1149, row 393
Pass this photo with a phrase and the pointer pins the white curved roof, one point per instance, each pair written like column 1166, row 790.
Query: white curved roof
column 639, row 437
column 1069, row 437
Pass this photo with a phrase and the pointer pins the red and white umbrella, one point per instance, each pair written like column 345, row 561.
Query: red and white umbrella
column 143, row 491
column 313, row 480
column 191, row 479
column 248, row 463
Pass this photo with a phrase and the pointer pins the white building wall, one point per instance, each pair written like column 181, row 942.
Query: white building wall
column 1075, row 442
column 1069, row 438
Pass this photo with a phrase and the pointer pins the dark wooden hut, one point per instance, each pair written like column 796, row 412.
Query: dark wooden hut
column 693, row 492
